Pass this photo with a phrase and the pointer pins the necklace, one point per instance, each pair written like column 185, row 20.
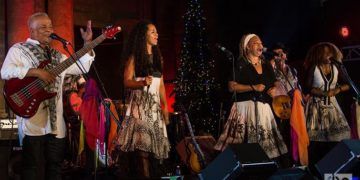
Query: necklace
column 326, row 69
column 255, row 64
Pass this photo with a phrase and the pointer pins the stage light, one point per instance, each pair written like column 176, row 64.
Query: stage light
column 344, row 31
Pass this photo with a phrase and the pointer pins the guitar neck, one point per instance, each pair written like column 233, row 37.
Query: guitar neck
column 197, row 147
column 74, row 57
column 190, row 127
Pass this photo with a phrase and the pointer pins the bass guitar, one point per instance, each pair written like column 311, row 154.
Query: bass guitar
column 24, row 96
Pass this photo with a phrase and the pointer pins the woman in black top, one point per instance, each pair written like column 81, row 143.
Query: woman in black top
column 251, row 119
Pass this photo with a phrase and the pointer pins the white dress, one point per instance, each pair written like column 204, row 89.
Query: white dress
column 143, row 127
column 324, row 118
column 243, row 126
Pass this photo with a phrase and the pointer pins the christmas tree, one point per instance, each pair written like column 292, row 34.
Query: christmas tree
column 195, row 81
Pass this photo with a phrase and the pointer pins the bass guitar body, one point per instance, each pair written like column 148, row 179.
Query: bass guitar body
column 24, row 96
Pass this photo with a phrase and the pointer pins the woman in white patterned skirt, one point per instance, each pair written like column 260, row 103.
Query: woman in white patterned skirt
column 324, row 118
column 143, row 130
column 251, row 119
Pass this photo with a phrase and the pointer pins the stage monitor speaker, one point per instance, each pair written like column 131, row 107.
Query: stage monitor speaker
column 248, row 161
column 206, row 144
column 343, row 158
column 295, row 173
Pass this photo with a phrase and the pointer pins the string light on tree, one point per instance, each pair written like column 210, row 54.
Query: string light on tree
column 195, row 81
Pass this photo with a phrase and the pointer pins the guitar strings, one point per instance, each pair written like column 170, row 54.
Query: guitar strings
column 38, row 84
column 34, row 87
column 31, row 88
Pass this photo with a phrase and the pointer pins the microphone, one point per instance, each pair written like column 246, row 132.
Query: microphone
column 56, row 37
column 223, row 49
column 268, row 53
column 265, row 50
column 150, row 73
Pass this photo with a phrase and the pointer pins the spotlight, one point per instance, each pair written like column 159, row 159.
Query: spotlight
column 344, row 31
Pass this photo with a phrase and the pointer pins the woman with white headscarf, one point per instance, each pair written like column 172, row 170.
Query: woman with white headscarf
column 251, row 119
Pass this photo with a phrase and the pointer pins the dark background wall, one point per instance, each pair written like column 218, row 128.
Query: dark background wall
column 165, row 14
column 297, row 23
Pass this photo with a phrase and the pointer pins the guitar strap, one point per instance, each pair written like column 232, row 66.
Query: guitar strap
column 37, row 54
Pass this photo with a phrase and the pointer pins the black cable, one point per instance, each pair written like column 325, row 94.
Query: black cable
column 100, row 82
column 74, row 59
column 231, row 57
column 85, row 75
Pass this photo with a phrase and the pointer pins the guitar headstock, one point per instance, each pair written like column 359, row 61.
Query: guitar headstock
column 110, row 31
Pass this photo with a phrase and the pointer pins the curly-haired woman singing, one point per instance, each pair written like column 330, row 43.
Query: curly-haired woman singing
column 144, row 127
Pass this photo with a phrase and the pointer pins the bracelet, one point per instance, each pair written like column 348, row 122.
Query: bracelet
column 252, row 87
column 323, row 93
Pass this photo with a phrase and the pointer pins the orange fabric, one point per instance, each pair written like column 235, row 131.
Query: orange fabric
column 75, row 102
column 89, row 115
column 113, row 128
column 298, row 123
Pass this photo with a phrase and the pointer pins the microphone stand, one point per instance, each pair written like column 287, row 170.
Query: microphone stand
column 256, row 119
column 230, row 56
column 86, row 77
column 279, row 70
column 297, row 85
column 105, row 104
column 350, row 81
column 255, row 99
column 79, row 65
column 107, row 124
